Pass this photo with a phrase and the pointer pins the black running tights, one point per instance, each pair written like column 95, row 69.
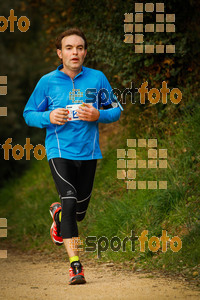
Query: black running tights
column 74, row 181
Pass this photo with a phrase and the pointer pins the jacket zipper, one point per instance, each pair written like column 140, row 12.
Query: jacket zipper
column 73, row 83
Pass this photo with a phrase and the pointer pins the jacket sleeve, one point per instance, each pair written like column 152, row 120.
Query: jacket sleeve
column 109, row 115
column 107, row 100
column 35, row 113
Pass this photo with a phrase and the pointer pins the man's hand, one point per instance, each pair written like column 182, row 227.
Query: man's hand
column 87, row 112
column 59, row 116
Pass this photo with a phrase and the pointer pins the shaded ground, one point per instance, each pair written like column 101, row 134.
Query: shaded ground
column 39, row 276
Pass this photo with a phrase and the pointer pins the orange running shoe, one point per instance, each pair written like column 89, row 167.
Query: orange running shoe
column 54, row 210
column 76, row 273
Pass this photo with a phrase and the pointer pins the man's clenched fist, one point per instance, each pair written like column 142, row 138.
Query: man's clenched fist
column 87, row 112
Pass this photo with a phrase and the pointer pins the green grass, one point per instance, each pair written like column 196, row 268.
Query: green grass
column 25, row 203
column 115, row 211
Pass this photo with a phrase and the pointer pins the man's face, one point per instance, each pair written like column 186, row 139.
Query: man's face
column 72, row 53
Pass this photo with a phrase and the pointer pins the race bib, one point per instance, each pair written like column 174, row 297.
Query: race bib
column 72, row 113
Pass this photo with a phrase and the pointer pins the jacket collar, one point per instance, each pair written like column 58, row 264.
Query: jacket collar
column 61, row 66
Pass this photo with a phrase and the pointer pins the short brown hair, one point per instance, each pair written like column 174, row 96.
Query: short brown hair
column 69, row 32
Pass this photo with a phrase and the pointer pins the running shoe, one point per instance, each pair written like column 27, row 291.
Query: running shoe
column 76, row 273
column 54, row 210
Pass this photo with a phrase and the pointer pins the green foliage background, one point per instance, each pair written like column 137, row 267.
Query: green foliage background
column 25, row 57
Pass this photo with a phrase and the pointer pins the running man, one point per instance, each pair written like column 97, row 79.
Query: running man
column 72, row 136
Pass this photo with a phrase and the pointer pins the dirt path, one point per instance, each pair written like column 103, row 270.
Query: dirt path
column 40, row 277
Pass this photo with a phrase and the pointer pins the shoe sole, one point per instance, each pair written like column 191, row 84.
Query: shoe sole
column 51, row 206
column 55, row 242
column 78, row 279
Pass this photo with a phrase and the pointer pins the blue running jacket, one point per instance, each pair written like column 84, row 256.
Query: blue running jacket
column 76, row 140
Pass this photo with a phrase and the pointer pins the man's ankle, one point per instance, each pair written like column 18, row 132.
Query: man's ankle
column 73, row 259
